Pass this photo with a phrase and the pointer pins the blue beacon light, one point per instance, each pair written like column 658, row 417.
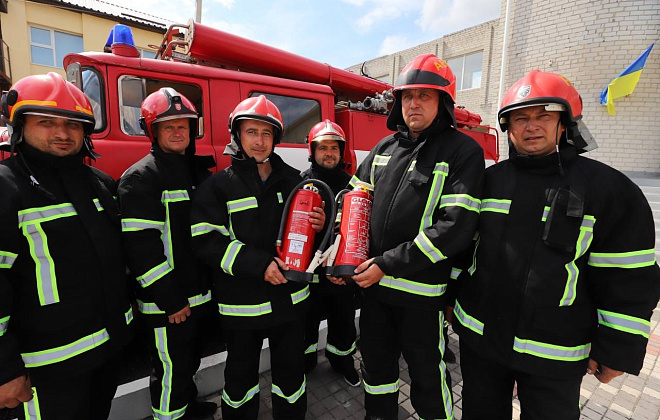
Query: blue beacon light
column 120, row 41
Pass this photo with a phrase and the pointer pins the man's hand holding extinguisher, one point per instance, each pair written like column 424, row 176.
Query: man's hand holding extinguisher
column 368, row 273
column 273, row 273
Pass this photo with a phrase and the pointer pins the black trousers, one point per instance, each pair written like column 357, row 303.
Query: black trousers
column 340, row 311
column 85, row 395
column 488, row 389
column 240, row 397
column 388, row 331
column 175, row 352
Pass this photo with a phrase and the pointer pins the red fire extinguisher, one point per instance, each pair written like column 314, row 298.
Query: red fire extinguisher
column 295, row 241
column 351, row 247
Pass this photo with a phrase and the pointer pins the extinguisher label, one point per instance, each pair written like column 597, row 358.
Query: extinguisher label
column 357, row 240
column 297, row 237
column 296, row 247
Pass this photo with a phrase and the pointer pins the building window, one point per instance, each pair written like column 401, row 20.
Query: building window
column 48, row 47
column 467, row 69
column 147, row 53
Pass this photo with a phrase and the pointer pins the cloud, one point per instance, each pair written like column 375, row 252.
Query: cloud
column 394, row 43
column 382, row 12
column 227, row 4
column 440, row 17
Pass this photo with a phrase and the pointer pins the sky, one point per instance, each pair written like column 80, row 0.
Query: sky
column 338, row 32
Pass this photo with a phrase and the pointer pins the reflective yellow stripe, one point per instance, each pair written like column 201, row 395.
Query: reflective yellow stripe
column 65, row 352
column 632, row 259
column 551, row 351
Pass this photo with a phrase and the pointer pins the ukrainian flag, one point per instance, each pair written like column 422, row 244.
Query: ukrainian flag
column 624, row 84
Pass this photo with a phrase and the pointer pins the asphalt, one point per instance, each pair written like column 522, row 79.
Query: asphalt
column 626, row 397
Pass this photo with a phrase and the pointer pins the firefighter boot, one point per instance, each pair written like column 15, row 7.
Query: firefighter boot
column 346, row 367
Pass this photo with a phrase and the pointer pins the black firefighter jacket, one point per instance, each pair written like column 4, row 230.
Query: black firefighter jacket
column 155, row 196
column 337, row 179
column 564, row 270
column 235, row 220
column 427, row 193
column 64, row 305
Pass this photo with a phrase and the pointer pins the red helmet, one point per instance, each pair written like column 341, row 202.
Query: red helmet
column 326, row 130
column 539, row 88
column 426, row 71
column 47, row 94
column 257, row 108
column 167, row 104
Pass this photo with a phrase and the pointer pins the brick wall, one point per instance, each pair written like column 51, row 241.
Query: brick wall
column 587, row 42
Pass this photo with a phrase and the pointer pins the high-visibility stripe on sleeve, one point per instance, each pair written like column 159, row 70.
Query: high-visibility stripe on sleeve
column 133, row 225
column 227, row 263
column 280, row 199
column 426, row 246
column 468, row 321
column 413, row 287
column 156, row 273
column 460, row 200
column 7, row 259
column 291, row 399
column 625, row 323
column 455, row 272
column 495, row 205
column 633, row 259
column 65, row 352
column 203, row 228
column 245, row 310
column 150, row 308
column 551, row 351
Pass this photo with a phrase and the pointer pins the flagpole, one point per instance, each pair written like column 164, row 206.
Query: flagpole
column 198, row 11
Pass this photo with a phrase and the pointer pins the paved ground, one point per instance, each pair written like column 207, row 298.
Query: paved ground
column 627, row 397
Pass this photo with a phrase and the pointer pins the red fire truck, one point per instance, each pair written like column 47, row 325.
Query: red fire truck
column 216, row 70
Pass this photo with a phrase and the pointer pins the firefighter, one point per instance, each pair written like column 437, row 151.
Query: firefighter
column 565, row 277
column 172, row 288
column 427, row 180
column 64, row 308
column 236, row 216
column 326, row 143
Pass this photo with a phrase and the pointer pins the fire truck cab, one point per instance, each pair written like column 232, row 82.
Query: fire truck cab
column 216, row 70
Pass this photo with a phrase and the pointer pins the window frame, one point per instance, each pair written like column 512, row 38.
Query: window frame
column 52, row 47
column 463, row 58
column 162, row 83
column 102, row 98
column 285, row 140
